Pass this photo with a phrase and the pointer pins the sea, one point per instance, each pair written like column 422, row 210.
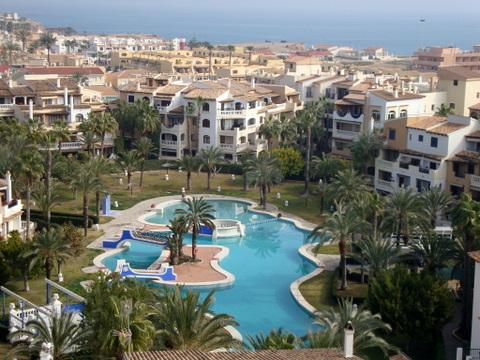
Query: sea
column 399, row 33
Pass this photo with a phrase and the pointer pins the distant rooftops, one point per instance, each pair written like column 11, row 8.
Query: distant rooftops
column 64, row 70
column 434, row 124
column 457, row 73
column 389, row 96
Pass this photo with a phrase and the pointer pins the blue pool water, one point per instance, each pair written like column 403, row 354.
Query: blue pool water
column 265, row 262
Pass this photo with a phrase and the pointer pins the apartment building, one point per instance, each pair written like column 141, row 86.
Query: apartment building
column 10, row 209
column 231, row 114
column 50, row 101
column 434, row 58
column 462, row 87
column 91, row 75
column 418, row 149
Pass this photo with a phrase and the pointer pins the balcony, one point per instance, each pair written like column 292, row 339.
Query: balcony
column 347, row 134
column 384, row 185
column 172, row 144
column 348, row 116
column 231, row 114
column 475, row 181
column 12, row 209
column 6, row 108
column 384, row 164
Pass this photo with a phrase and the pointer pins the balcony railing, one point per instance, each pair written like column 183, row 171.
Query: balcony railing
column 231, row 113
column 6, row 107
column 475, row 181
column 385, row 184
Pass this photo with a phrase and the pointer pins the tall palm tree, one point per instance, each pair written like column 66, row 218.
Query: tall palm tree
column 104, row 124
column 364, row 151
column 189, row 111
column 309, row 118
column 378, row 254
column 149, row 117
column 189, row 164
column 31, row 171
column 444, row 110
column 434, row 251
column 67, row 336
column 404, row 213
column 277, row 339
column 348, row 186
column 47, row 40
column 99, row 166
column 47, row 246
column 47, row 139
column 61, row 133
column 264, row 172
column 244, row 160
column 230, row 49
column 269, row 130
column 23, row 33
column 287, row 130
column 86, row 182
column 178, row 228
column 368, row 327
column 144, row 147
column 339, row 226
column 128, row 162
column 435, row 203
column 198, row 213
column 11, row 47
column 185, row 322
column 326, row 167
column 210, row 157
column 46, row 199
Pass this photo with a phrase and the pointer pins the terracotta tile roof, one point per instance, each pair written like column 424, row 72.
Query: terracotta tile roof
column 425, row 122
column 22, row 91
column 390, row 97
column 475, row 107
column 65, row 70
column 4, row 89
column 3, row 183
column 421, row 154
column 301, row 354
column 104, row 90
column 475, row 255
column 170, row 89
column 304, row 60
column 457, row 72
column 466, row 156
column 446, row 129
column 475, row 135
column 38, row 86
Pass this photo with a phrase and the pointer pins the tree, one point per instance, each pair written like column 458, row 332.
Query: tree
column 309, row 118
column 144, row 148
column 47, row 40
column 230, row 49
column 287, row 131
column 61, row 132
column 338, row 226
column 67, row 336
column 275, row 340
column 103, row 124
column 348, row 186
column 264, row 172
column 187, row 322
column 189, row 110
column 189, row 164
column 23, row 33
column 198, row 213
column 289, row 159
column 47, row 247
column 444, row 110
column 149, row 117
column 128, row 162
column 435, row 203
column 178, row 228
column 369, row 327
column 417, row 305
column 269, row 130
column 99, row 166
column 364, row 151
column 11, row 47
column 86, row 182
column 244, row 160
column 46, row 199
column 210, row 157
column 378, row 254
column 434, row 251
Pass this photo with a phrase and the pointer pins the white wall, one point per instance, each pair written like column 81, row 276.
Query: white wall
column 475, row 340
column 424, row 147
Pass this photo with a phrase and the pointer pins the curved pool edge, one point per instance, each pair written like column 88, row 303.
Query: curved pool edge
column 304, row 251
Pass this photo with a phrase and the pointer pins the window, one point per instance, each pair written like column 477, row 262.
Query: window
column 182, row 137
column 251, row 121
column 391, row 115
column 434, row 142
column 403, row 113
column 420, row 138
column 391, row 134
column 79, row 118
column 432, row 107
column 376, row 115
column 452, row 106
column 205, row 107
column 206, row 139
column 146, row 99
column 205, row 123
column 455, row 82
column 131, row 98
column 478, row 95
column 309, row 92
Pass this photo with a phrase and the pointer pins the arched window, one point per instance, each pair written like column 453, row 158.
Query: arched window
column 376, row 115
column 205, row 123
column 391, row 115
column 206, row 107
column 251, row 121
column 206, row 139
column 403, row 113
column 146, row 98
column 79, row 118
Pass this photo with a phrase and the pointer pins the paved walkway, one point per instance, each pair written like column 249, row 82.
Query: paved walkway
column 199, row 271
column 330, row 262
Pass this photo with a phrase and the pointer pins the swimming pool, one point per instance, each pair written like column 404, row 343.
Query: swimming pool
column 265, row 262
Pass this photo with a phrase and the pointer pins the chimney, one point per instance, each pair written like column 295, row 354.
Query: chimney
column 395, row 92
column 10, row 83
column 229, row 84
column 8, row 179
column 253, row 82
column 58, row 84
column 30, row 109
column 65, row 96
column 348, row 340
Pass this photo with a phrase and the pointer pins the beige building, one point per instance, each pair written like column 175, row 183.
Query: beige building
column 434, row 58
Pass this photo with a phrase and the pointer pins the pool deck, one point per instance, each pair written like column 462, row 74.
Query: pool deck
column 200, row 271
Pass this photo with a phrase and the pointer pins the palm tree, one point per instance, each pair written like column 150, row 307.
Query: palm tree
column 198, row 213
column 210, row 157
column 348, row 186
column 60, row 132
column 104, row 124
column 11, row 47
column 230, row 49
column 86, row 182
column 250, row 51
column 31, row 170
column 210, row 48
column 368, row 327
column 128, row 162
column 47, row 40
column 189, row 110
column 99, row 166
column 46, row 199
column 404, row 210
column 269, row 130
column 189, row 164
column 186, row 322
column 144, row 147
column 308, row 119
column 23, row 33
column 178, row 228
column 286, row 130
column 275, row 340
column 378, row 254
column 244, row 160
column 444, row 110
column 339, row 226
column 364, row 151
column 434, row 251
column 66, row 335
column 264, row 172
column 435, row 203
column 47, row 247
column 149, row 117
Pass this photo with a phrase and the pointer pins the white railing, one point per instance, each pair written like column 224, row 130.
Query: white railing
column 72, row 145
column 385, row 184
column 6, row 107
column 223, row 113
column 385, row 164
column 169, row 142
column 227, row 146
column 475, row 181
column 347, row 132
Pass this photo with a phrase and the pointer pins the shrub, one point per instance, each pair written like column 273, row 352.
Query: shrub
column 290, row 160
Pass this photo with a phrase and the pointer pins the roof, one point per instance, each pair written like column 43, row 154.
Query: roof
column 475, row 255
column 475, row 107
column 387, row 95
column 475, row 135
column 457, row 73
column 446, row 129
column 64, row 70
column 466, row 156
column 104, row 90
column 304, row 60
column 3, row 183
column 300, row 354
column 434, row 124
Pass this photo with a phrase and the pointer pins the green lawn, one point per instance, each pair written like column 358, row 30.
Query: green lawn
column 318, row 290
column 327, row 250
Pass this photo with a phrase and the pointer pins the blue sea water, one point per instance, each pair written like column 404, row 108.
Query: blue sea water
column 265, row 262
column 356, row 24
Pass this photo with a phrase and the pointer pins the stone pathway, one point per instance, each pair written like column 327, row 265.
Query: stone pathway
column 330, row 262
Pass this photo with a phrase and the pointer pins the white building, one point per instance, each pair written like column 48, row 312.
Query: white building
column 475, row 335
column 10, row 209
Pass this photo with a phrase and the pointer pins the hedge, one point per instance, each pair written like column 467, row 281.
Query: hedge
column 60, row 218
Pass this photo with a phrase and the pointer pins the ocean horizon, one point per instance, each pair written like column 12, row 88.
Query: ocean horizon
column 401, row 35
